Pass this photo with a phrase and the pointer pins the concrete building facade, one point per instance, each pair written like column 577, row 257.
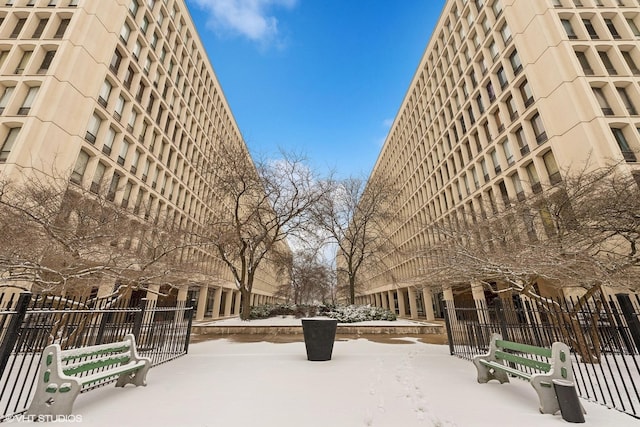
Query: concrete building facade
column 121, row 94
column 508, row 94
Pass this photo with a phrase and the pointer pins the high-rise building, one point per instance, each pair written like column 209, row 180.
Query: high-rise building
column 118, row 94
column 508, row 95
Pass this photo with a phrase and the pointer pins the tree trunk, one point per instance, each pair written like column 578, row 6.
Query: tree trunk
column 352, row 290
column 245, row 301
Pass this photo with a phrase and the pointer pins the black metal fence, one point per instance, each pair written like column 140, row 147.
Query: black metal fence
column 28, row 323
column 603, row 333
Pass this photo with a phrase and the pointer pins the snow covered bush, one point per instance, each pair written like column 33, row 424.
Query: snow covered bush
column 359, row 313
column 344, row 314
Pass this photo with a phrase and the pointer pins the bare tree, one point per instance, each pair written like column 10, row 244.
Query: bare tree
column 311, row 279
column 61, row 238
column 262, row 204
column 582, row 231
column 356, row 216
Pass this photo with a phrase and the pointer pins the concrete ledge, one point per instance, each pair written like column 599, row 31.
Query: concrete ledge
column 345, row 329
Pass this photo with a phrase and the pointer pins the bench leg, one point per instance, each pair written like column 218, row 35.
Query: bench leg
column 54, row 402
column 136, row 378
column 486, row 374
column 547, row 395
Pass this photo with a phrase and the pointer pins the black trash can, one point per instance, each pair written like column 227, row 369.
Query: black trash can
column 568, row 400
column 319, row 335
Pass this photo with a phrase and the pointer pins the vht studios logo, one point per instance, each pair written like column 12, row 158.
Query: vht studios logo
column 21, row 418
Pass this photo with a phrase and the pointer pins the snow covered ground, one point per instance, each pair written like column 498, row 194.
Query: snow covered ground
column 262, row 384
column 293, row 321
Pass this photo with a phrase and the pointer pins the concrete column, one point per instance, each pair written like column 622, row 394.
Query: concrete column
column 392, row 304
column 238, row 303
column 202, row 302
column 385, row 300
column 228, row 302
column 253, row 299
column 477, row 290
column 427, row 297
column 105, row 289
column 450, row 304
column 402, row 310
column 413, row 302
column 217, row 300
column 182, row 296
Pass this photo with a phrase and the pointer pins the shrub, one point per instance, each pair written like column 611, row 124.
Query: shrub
column 344, row 314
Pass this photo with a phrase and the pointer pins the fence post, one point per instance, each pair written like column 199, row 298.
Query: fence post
column 189, row 323
column 447, row 322
column 501, row 319
column 137, row 321
column 631, row 317
column 13, row 330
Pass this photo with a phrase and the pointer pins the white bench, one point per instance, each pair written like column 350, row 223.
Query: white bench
column 65, row 373
column 538, row 365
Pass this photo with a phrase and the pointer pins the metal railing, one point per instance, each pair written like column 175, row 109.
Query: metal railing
column 28, row 323
column 603, row 333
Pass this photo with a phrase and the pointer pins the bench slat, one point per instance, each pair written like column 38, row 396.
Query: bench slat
column 506, row 368
column 524, row 348
column 133, row 366
column 95, row 364
column 520, row 360
column 77, row 353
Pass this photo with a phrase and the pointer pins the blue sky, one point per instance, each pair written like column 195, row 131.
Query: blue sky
column 324, row 78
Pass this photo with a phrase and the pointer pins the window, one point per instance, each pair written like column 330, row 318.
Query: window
column 128, row 78
column 113, row 187
column 28, row 101
column 6, row 95
column 590, row 29
column 516, row 65
column 495, row 161
column 534, row 180
column 137, row 47
column 16, row 30
column 508, row 154
column 490, row 92
column 7, row 145
column 493, row 49
column 604, row 57
column 525, row 92
column 517, row 185
column 552, row 167
column 505, row 33
column 497, row 8
column 626, row 55
column 62, row 28
column 124, row 149
column 105, row 91
column 108, row 141
column 26, row 56
column 126, row 194
column 522, row 141
column 144, row 26
column 79, row 169
column 125, row 32
column 568, row 28
column 119, row 108
column 512, row 108
column 93, row 128
column 46, row 61
column 584, row 63
column 97, row 177
column 634, row 27
column 602, row 101
column 134, row 161
column 133, row 7
column 628, row 104
column 480, row 104
column 132, row 120
column 115, row 61
column 538, row 128
column 612, row 28
column 625, row 149
column 40, row 28
column 502, row 78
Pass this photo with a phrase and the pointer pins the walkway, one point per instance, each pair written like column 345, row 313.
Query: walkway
column 403, row 382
